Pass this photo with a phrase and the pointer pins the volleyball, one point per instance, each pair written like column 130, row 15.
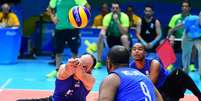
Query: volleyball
column 79, row 16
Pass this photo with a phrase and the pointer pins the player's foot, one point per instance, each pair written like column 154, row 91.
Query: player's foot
column 52, row 74
column 170, row 68
column 191, row 68
column 98, row 65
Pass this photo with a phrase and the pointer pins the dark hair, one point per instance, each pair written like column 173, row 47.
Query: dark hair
column 149, row 6
column 130, row 6
column 140, row 44
column 118, row 55
column 104, row 4
column 186, row 1
column 116, row 2
column 94, row 59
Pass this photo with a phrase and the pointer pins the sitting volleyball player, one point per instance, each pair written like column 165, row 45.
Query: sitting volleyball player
column 124, row 83
column 74, row 80
column 173, row 85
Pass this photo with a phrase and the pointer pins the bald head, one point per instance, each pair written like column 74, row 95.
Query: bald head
column 119, row 55
column 88, row 61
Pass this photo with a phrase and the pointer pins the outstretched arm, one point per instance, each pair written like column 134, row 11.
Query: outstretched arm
column 171, row 31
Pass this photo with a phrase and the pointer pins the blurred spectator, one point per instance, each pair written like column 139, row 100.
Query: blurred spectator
column 175, row 38
column 191, row 37
column 148, row 30
column 99, row 18
column 8, row 18
column 178, row 18
column 133, row 18
column 115, row 27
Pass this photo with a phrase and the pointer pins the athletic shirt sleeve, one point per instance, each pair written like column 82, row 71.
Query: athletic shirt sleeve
column 124, row 20
column 106, row 19
column 173, row 20
column 52, row 3
column 81, row 2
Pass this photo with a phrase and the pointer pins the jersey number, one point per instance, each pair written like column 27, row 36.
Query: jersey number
column 145, row 91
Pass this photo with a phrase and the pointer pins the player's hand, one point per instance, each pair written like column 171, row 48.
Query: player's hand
column 171, row 38
column 80, row 71
column 115, row 16
column 54, row 19
column 149, row 46
column 48, row 9
column 71, row 65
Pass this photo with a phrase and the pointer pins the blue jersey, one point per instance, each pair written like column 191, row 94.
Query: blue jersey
column 69, row 90
column 146, row 70
column 192, row 26
column 134, row 86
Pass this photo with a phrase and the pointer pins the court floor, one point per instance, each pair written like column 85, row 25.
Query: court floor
column 26, row 80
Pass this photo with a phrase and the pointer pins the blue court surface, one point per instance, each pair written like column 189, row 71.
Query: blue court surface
column 30, row 75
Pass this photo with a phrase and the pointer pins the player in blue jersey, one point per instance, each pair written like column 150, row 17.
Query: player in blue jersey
column 172, row 85
column 123, row 83
column 74, row 79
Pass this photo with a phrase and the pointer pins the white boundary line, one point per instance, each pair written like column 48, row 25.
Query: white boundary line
column 5, row 84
